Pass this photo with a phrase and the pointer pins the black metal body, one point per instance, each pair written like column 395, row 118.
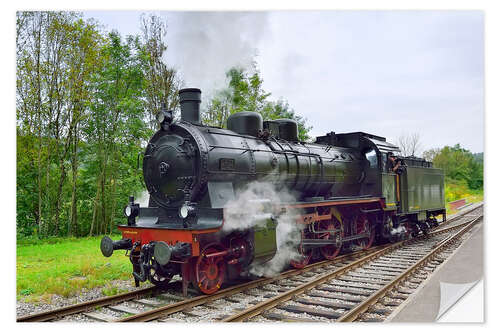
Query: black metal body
column 205, row 166
column 192, row 171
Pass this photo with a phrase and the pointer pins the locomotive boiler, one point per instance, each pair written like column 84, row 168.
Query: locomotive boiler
column 346, row 195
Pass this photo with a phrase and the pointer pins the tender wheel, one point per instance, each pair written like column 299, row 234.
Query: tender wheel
column 363, row 226
column 331, row 251
column 210, row 271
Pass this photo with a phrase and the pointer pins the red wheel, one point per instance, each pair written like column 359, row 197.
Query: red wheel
column 331, row 251
column 211, row 271
column 363, row 226
column 305, row 256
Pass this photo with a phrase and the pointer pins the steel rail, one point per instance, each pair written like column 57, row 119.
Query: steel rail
column 275, row 301
column 203, row 299
column 85, row 306
column 356, row 311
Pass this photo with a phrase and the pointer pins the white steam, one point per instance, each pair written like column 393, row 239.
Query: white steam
column 398, row 230
column 253, row 207
column 204, row 45
column 143, row 199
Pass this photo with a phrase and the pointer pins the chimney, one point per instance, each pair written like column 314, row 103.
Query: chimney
column 190, row 99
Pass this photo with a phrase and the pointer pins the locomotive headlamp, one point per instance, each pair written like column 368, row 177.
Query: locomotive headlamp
column 131, row 211
column 185, row 211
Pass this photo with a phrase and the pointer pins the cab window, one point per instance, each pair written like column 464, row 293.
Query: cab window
column 384, row 161
column 371, row 156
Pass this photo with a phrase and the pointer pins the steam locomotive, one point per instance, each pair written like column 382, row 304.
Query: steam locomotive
column 345, row 191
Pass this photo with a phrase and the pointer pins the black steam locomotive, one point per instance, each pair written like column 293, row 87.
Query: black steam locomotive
column 344, row 186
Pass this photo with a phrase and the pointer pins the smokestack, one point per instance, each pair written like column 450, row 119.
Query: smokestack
column 190, row 99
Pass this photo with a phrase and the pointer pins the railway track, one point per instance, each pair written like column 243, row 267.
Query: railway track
column 154, row 297
column 368, row 289
column 264, row 294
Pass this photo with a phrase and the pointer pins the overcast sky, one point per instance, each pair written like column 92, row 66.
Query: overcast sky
column 381, row 72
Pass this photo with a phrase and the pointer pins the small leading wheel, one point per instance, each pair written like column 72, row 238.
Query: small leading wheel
column 333, row 230
column 210, row 271
column 363, row 226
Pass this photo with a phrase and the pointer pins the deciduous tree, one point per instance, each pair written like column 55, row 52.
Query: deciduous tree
column 409, row 144
column 245, row 93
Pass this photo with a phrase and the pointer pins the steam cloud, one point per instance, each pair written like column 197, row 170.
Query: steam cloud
column 204, row 45
column 252, row 207
column 143, row 199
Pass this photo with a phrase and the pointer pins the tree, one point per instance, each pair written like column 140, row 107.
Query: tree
column 281, row 109
column 161, row 81
column 115, row 127
column 409, row 144
column 42, row 46
column 459, row 165
column 430, row 154
column 80, row 123
column 245, row 93
column 85, row 60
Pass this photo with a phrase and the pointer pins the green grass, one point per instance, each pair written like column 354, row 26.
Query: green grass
column 112, row 290
column 65, row 267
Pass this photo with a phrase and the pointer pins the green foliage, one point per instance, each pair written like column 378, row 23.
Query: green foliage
column 84, row 101
column 455, row 190
column 478, row 157
column 245, row 93
column 460, row 165
column 463, row 172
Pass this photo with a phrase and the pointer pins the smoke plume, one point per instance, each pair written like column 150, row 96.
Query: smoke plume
column 204, row 45
column 253, row 207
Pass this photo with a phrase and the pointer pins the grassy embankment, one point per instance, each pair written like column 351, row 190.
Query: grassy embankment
column 455, row 191
column 65, row 266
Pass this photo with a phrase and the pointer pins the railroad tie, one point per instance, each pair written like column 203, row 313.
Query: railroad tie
column 334, row 305
column 285, row 318
column 311, row 311
column 148, row 302
column 352, row 284
column 99, row 316
column 123, row 308
column 171, row 297
column 336, row 296
column 362, row 292
column 357, row 279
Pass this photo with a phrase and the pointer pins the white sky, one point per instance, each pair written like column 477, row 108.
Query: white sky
column 381, row 72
